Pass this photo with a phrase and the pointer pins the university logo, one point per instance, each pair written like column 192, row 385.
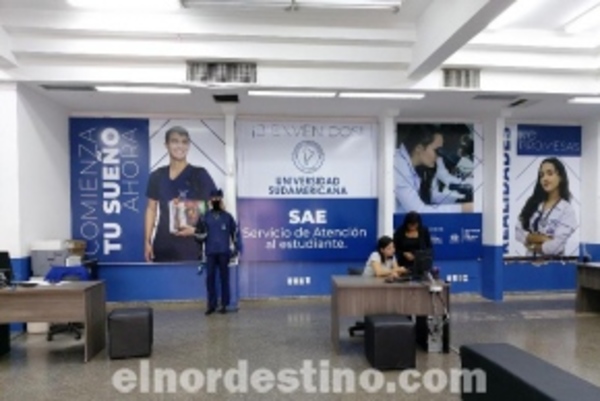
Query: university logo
column 454, row 238
column 308, row 156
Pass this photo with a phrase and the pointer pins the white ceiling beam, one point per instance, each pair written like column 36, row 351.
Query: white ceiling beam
column 446, row 26
column 534, row 40
column 7, row 58
column 148, row 49
column 90, row 72
column 524, row 60
column 271, row 76
column 533, row 81
column 523, row 81
column 328, row 77
column 206, row 26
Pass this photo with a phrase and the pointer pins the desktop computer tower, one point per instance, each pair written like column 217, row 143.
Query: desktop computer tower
column 45, row 254
column 432, row 333
column 4, row 338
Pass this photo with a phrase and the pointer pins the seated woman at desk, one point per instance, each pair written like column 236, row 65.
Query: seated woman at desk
column 382, row 262
column 410, row 237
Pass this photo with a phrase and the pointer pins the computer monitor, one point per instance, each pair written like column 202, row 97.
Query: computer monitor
column 423, row 263
column 6, row 271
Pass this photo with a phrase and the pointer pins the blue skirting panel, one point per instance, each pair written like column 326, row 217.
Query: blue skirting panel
column 156, row 282
column 286, row 279
column 159, row 282
column 590, row 252
column 492, row 272
column 263, row 280
column 463, row 275
column 550, row 276
column 152, row 282
column 22, row 271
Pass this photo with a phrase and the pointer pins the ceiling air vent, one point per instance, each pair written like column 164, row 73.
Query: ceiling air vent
column 226, row 98
column 221, row 73
column 466, row 78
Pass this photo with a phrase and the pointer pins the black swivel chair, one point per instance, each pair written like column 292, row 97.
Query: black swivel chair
column 74, row 328
column 358, row 326
column 69, row 328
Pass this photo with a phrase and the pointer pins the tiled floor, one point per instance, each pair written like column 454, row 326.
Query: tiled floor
column 285, row 334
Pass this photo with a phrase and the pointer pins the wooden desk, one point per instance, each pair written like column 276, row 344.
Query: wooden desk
column 588, row 288
column 77, row 301
column 359, row 296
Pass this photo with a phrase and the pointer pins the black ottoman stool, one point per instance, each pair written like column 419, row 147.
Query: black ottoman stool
column 390, row 342
column 130, row 332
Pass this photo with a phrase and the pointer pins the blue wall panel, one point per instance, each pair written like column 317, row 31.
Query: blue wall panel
column 492, row 269
column 22, row 271
column 546, row 277
column 463, row 275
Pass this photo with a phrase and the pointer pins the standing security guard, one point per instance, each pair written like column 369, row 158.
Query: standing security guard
column 220, row 232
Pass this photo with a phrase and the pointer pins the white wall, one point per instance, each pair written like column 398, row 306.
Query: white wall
column 44, row 173
column 590, row 192
column 9, row 168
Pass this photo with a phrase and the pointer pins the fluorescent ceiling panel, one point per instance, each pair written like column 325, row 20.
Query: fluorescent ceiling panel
column 381, row 95
column 144, row 89
column 518, row 10
column 141, row 5
column 292, row 94
column 589, row 20
column 585, row 100
column 340, row 4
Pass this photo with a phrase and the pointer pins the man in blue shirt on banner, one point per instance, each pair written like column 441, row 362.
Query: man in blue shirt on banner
column 221, row 244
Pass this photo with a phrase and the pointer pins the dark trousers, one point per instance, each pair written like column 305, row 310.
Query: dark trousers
column 217, row 263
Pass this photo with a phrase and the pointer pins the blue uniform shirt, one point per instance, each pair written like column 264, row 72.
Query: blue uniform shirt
column 195, row 183
column 221, row 230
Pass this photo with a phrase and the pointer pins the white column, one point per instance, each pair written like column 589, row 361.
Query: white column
column 386, row 144
column 10, row 234
column 230, row 159
column 590, row 191
column 494, row 233
column 493, row 173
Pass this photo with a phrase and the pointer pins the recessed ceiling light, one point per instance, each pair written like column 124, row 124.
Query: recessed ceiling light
column 144, row 89
column 292, row 94
column 589, row 20
column 517, row 11
column 381, row 95
column 586, row 100
column 140, row 5
column 386, row 5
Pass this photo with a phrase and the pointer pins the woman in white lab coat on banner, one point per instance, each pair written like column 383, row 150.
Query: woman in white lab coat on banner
column 548, row 219
column 419, row 148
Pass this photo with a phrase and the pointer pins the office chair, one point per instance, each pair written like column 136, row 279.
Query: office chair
column 358, row 326
column 65, row 328
column 73, row 328
column 68, row 328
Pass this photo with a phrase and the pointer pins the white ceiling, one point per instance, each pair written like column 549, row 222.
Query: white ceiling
column 436, row 105
column 51, row 42
column 550, row 14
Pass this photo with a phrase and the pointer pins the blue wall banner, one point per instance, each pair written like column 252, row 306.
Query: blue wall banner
column 109, row 171
column 307, row 191
column 119, row 165
column 560, row 141
column 542, row 189
column 438, row 172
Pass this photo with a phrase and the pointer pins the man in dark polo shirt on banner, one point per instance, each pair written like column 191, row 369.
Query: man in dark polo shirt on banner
column 178, row 194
